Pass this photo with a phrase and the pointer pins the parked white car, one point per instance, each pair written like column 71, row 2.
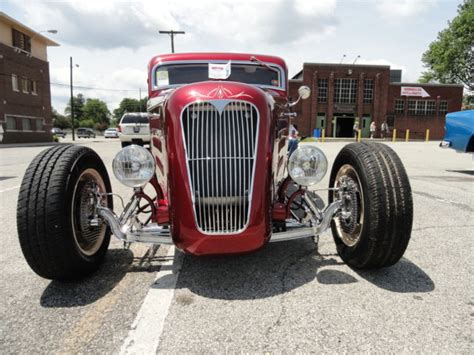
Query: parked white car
column 134, row 128
column 111, row 133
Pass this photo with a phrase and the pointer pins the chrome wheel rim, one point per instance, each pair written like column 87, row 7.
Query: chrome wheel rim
column 349, row 223
column 87, row 238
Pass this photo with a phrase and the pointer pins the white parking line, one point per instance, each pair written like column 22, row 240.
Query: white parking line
column 145, row 333
column 10, row 188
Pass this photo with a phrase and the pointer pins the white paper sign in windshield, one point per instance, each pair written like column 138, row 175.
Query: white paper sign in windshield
column 162, row 78
column 219, row 71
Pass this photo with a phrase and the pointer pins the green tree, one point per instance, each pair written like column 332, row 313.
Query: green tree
column 129, row 105
column 450, row 58
column 79, row 102
column 59, row 120
column 97, row 111
column 468, row 102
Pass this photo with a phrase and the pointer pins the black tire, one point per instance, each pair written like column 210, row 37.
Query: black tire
column 387, row 217
column 125, row 144
column 49, row 230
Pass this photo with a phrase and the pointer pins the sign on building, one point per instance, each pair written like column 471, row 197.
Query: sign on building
column 414, row 91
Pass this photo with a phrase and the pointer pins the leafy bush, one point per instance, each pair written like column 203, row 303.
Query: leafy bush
column 88, row 123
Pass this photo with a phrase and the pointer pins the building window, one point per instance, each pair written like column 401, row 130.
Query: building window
column 443, row 107
column 399, row 107
column 430, row 108
column 11, row 123
column 33, row 87
column 345, row 91
column 26, row 124
column 24, row 85
column 15, row 82
column 20, row 40
column 368, row 91
column 421, row 107
column 322, row 90
column 39, row 124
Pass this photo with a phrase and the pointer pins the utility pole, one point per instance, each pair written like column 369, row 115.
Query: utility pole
column 172, row 34
column 72, row 100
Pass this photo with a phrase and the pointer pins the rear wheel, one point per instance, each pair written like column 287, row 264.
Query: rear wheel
column 125, row 144
column 374, row 226
column 55, row 207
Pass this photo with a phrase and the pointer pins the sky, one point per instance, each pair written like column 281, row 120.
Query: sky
column 112, row 41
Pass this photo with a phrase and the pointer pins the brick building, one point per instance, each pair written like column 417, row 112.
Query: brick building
column 343, row 93
column 25, row 97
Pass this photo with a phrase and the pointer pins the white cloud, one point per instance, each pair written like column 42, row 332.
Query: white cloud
column 114, row 40
column 402, row 8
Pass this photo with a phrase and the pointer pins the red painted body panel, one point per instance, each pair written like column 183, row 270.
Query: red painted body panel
column 169, row 151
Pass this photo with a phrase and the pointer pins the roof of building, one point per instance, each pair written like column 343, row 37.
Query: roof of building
column 427, row 84
column 25, row 29
column 347, row 65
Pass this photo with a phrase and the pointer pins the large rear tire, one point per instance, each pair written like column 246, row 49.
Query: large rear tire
column 54, row 207
column 375, row 228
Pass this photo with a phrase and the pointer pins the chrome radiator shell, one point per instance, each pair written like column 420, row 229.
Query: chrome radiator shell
column 220, row 139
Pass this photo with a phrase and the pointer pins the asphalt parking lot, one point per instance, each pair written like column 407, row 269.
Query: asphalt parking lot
column 288, row 297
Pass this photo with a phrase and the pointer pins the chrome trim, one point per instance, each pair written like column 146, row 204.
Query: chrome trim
column 297, row 230
column 207, row 192
column 282, row 77
column 152, row 233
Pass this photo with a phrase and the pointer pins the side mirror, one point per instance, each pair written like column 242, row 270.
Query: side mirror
column 304, row 92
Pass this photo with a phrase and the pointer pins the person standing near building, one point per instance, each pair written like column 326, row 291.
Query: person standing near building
column 373, row 128
column 292, row 138
column 355, row 128
column 384, row 130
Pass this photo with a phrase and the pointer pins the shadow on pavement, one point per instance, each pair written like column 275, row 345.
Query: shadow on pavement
column 282, row 267
column 274, row 270
column 402, row 277
column 467, row 172
column 90, row 289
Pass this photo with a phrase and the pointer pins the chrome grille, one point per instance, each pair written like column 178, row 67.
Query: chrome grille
column 221, row 139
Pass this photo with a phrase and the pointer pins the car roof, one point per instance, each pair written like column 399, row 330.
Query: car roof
column 219, row 56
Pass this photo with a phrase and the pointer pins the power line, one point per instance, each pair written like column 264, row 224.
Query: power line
column 78, row 87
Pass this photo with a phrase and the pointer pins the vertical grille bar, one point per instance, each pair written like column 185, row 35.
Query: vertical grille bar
column 220, row 153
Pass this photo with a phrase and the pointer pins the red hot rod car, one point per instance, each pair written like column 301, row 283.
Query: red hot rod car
column 222, row 180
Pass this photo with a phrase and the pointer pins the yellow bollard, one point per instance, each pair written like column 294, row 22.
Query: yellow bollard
column 394, row 136
column 427, row 135
column 323, row 135
column 407, row 135
column 359, row 135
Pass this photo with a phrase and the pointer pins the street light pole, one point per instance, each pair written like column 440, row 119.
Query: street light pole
column 172, row 34
column 72, row 101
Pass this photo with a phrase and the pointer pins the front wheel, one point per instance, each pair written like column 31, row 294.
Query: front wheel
column 55, row 207
column 374, row 227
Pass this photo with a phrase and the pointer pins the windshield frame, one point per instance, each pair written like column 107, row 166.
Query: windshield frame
column 278, row 68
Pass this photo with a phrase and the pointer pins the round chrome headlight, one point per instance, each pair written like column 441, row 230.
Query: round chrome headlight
column 134, row 166
column 307, row 165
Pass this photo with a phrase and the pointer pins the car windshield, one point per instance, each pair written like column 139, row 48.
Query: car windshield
column 130, row 118
column 178, row 74
column 111, row 129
